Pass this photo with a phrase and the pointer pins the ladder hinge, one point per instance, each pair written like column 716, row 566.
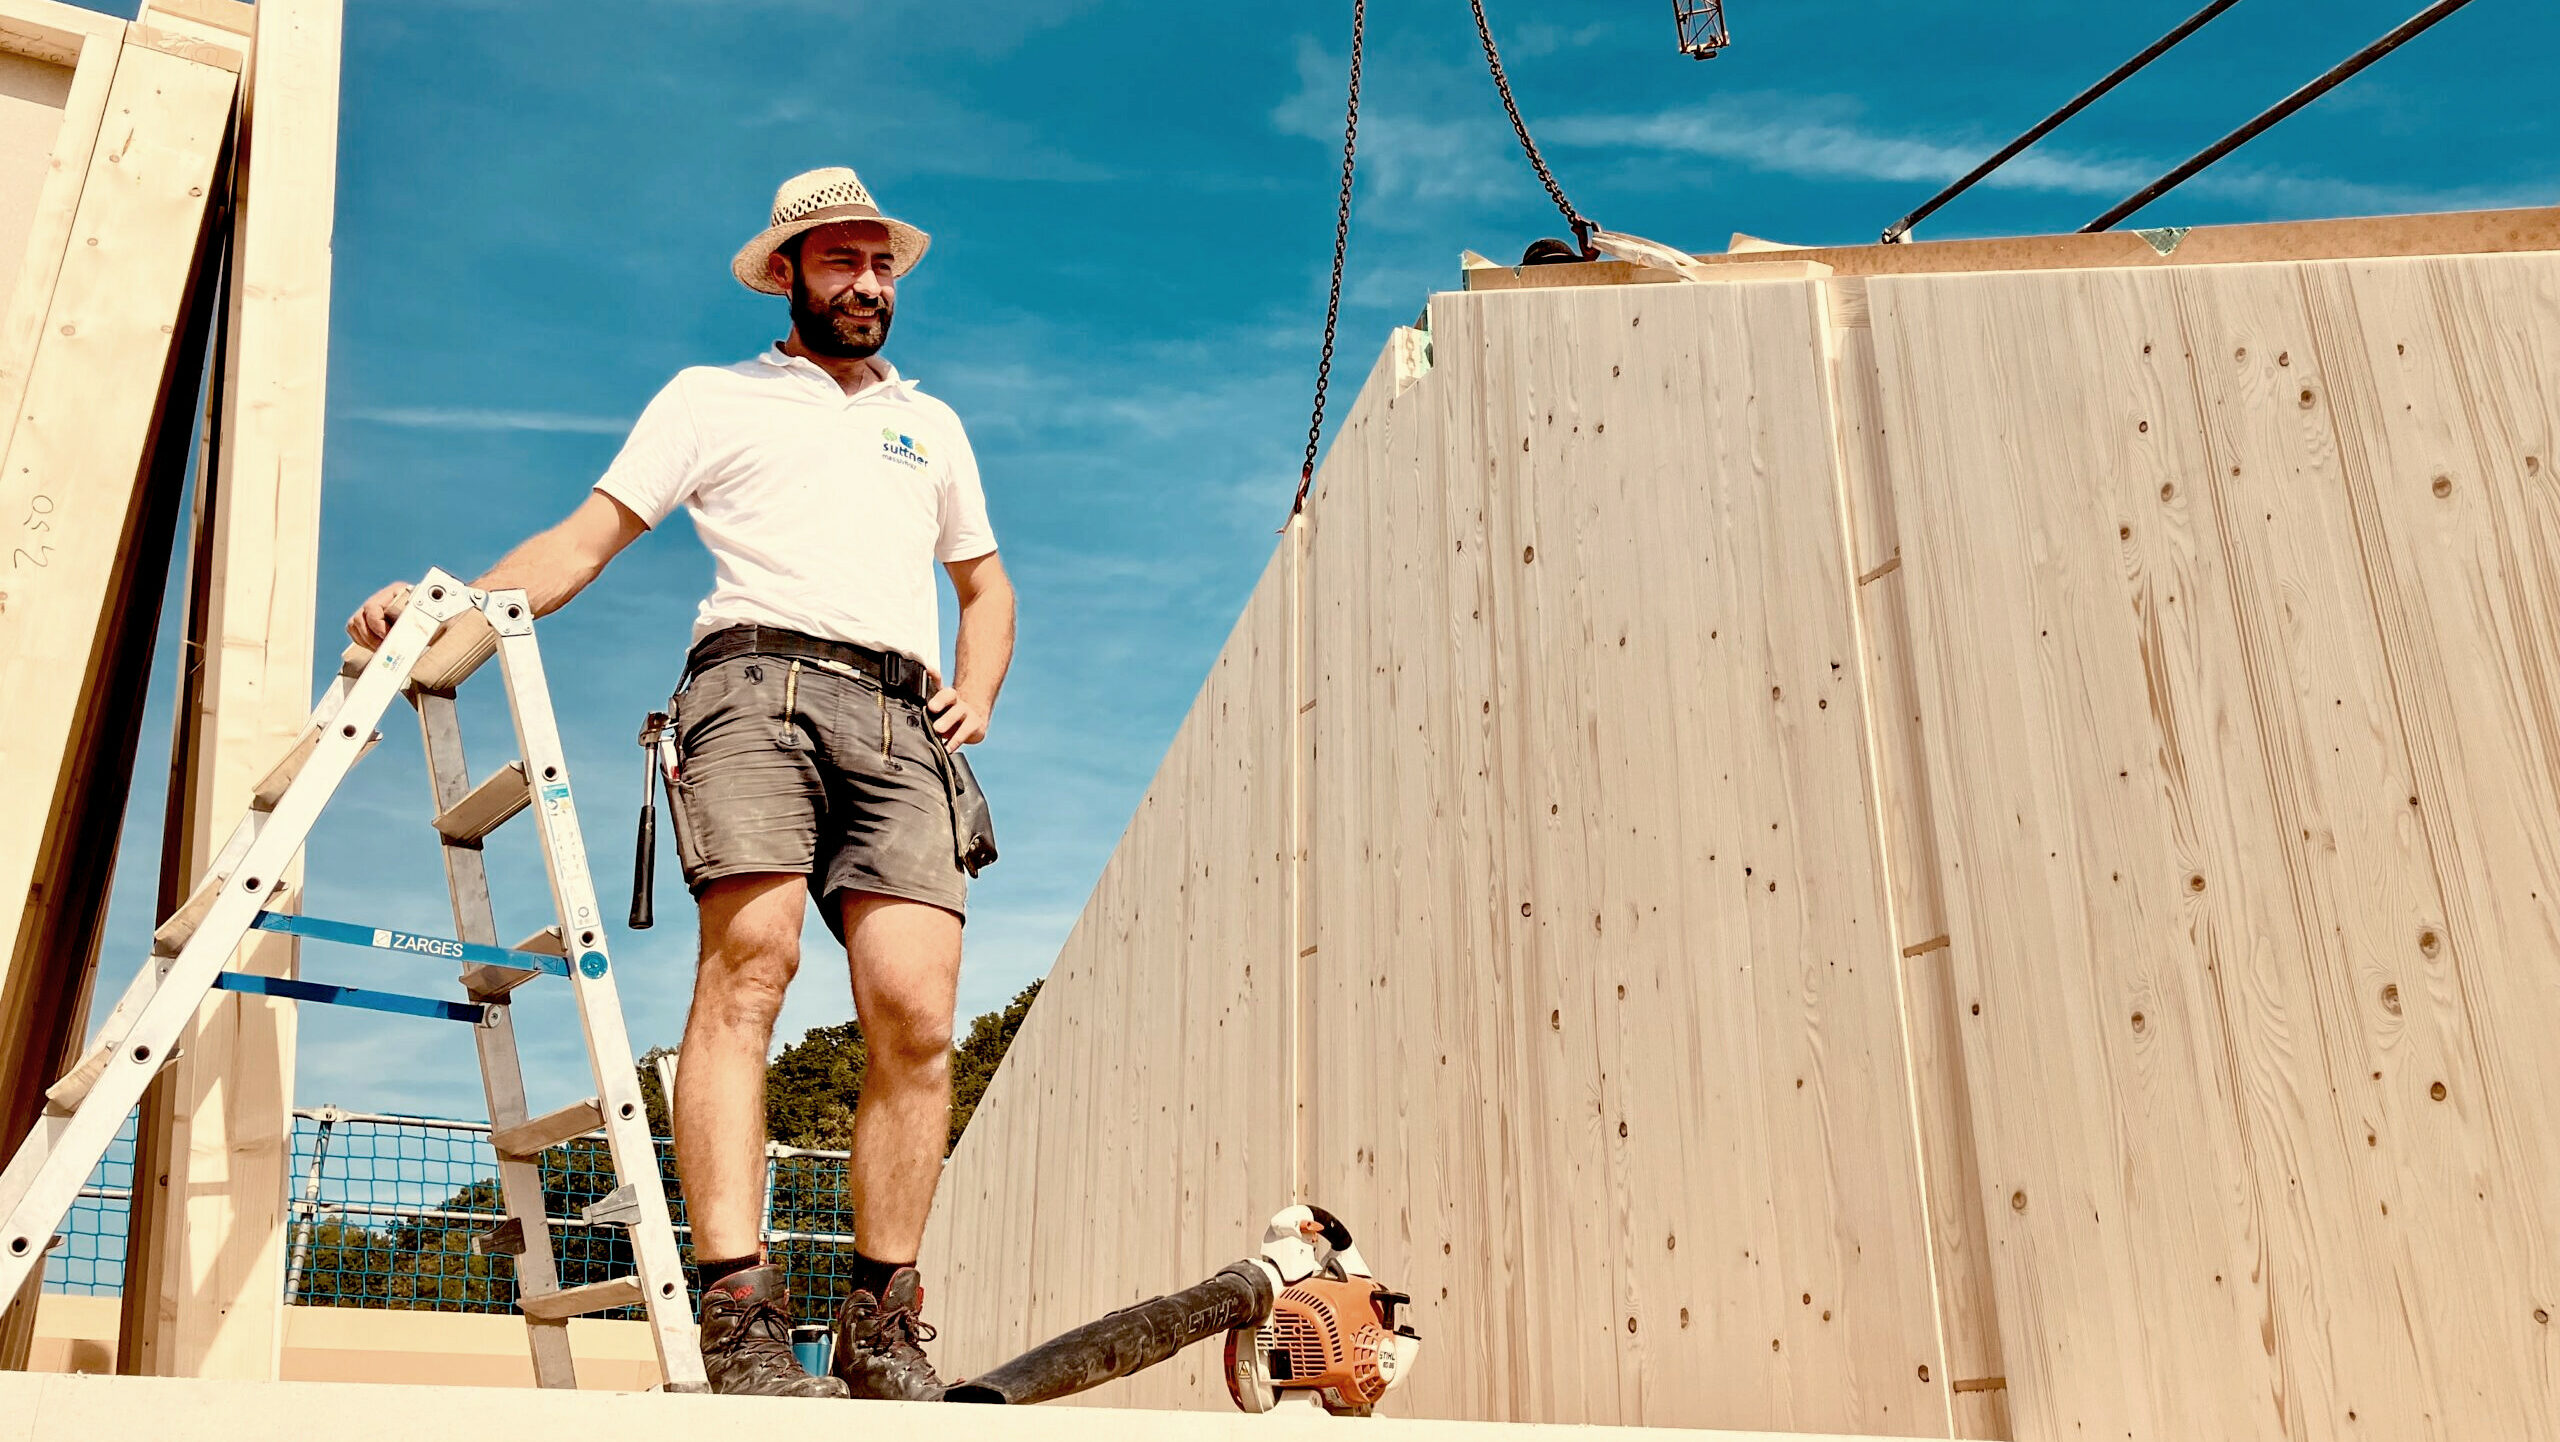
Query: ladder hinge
column 619, row 1207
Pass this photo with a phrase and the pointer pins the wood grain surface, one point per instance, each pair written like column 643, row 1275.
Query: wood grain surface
column 2233, row 590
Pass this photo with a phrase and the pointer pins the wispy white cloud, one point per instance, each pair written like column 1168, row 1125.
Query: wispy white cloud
column 916, row 131
column 1820, row 139
column 466, row 418
column 1405, row 157
column 1824, row 138
column 1541, row 38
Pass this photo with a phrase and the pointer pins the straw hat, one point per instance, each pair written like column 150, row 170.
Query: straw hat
column 812, row 199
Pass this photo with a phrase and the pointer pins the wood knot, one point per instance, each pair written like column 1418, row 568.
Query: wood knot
column 2306, row 398
column 2140, row 1024
column 2443, row 486
column 2017, row 1201
column 2391, row 998
column 2169, row 492
column 2195, row 883
column 2436, row 1091
column 2429, row 943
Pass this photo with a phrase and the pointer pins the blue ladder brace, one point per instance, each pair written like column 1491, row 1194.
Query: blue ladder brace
column 380, row 938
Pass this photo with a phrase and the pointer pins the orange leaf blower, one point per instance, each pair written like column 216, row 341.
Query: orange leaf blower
column 1303, row 1318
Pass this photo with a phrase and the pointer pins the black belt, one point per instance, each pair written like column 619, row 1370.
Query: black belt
column 898, row 673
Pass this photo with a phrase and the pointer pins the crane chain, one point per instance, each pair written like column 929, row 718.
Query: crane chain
column 1341, row 243
column 1501, row 82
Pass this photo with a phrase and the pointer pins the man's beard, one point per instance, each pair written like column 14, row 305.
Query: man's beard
column 842, row 334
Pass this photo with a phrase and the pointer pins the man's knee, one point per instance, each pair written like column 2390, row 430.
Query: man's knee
column 909, row 1036
column 750, row 950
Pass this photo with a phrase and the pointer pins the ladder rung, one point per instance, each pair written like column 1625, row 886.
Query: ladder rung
column 582, row 1301
column 173, row 935
column 528, row 1139
column 464, row 645
column 272, row 789
column 64, row 1096
column 487, row 808
column 488, row 983
column 492, row 983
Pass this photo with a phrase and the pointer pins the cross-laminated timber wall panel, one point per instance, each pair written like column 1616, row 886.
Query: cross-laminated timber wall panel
column 1597, row 1039
column 2157, row 1227
column 1150, row 1118
column 2236, row 619
column 1603, row 1012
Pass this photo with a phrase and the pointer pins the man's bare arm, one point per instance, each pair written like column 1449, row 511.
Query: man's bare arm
column 983, row 653
column 550, row 568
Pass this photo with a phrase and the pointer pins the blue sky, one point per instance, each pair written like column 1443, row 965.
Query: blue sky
column 1132, row 206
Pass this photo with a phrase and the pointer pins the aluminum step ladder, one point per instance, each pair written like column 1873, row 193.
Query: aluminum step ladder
column 192, row 949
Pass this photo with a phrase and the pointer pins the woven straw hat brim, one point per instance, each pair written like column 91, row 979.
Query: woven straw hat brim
column 907, row 244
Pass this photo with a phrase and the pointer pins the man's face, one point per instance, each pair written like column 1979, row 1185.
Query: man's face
column 843, row 288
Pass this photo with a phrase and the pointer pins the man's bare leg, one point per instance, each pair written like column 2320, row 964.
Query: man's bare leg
column 905, row 957
column 750, row 948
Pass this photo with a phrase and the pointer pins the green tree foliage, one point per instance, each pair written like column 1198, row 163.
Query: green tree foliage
column 974, row 1063
column 811, row 1088
column 662, row 1117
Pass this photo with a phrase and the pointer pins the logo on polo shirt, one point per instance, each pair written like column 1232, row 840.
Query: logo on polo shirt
column 900, row 448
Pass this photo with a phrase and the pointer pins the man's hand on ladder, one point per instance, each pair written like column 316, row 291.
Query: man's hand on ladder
column 372, row 620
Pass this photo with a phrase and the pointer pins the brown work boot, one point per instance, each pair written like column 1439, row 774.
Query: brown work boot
column 746, row 1339
column 880, row 1343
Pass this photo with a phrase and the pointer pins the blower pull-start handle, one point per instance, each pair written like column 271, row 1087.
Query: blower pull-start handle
column 1127, row 1341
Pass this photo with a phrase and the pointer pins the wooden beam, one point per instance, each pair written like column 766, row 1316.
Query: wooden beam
column 95, row 406
column 212, row 32
column 2474, row 232
column 204, row 1284
column 54, row 33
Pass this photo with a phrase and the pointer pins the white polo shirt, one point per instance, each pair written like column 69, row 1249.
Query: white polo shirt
column 824, row 512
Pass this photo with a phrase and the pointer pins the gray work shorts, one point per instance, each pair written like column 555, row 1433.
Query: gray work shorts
column 789, row 766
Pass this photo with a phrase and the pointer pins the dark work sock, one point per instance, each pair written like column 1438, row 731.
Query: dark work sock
column 872, row 1275
column 712, row 1274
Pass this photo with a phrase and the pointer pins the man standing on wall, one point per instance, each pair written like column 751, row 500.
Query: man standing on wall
column 811, row 732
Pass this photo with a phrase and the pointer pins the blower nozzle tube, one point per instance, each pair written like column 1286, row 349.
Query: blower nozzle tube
column 1129, row 1340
